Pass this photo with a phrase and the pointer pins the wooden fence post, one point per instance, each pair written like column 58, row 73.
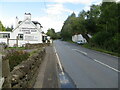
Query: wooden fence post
column 8, row 42
column 17, row 41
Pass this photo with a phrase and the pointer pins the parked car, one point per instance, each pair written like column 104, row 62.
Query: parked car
column 80, row 42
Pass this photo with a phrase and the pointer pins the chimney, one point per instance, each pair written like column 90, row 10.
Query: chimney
column 16, row 21
column 27, row 16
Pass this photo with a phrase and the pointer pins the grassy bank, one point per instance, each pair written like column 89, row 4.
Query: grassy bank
column 97, row 49
column 17, row 48
column 101, row 50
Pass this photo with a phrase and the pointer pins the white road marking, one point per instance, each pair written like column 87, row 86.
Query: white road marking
column 106, row 65
column 60, row 65
column 80, row 51
column 55, row 50
column 98, row 61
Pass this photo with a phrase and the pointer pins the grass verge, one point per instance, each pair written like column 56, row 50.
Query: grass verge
column 101, row 50
column 96, row 49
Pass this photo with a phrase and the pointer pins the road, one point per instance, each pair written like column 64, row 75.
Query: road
column 88, row 68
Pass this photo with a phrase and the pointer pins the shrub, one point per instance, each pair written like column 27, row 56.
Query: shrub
column 100, row 38
column 16, row 57
column 107, row 41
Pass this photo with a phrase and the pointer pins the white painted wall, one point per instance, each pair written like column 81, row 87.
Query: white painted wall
column 31, row 33
column 4, row 39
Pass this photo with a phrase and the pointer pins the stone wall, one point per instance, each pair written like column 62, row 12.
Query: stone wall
column 32, row 46
column 2, row 48
column 24, row 75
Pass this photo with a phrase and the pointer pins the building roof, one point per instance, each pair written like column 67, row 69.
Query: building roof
column 30, row 22
column 35, row 22
column 19, row 22
column 28, row 13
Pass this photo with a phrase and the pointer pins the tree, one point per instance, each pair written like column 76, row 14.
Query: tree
column 51, row 33
column 108, row 36
column 2, row 28
column 102, row 21
column 67, row 29
column 109, row 17
column 9, row 28
column 92, row 19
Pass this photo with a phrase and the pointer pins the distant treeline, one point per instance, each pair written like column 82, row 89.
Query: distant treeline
column 101, row 21
column 53, row 35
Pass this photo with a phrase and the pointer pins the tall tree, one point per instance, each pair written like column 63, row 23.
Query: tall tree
column 109, row 17
column 67, row 30
column 92, row 19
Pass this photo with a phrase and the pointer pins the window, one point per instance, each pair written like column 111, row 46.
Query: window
column 4, row 35
column 20, row 36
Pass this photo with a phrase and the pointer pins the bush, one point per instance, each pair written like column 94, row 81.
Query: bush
column 107, row 41
column 16, row 57
column 99, row 38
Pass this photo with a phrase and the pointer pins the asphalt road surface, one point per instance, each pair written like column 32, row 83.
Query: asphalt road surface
column 88, row 68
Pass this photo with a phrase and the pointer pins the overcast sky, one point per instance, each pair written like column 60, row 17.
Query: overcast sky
column 50, row 13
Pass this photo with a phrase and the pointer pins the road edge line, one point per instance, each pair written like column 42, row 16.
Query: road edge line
column 58, row 59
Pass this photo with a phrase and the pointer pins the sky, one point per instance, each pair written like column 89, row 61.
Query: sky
column 50, row 13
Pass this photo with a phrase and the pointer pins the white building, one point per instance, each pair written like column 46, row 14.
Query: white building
column 26, row 31
column 79, row 38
